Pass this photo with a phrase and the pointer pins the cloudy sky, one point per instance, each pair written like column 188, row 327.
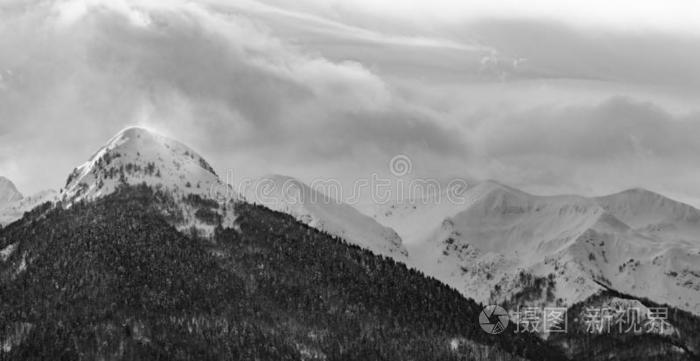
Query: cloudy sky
column 550, row 96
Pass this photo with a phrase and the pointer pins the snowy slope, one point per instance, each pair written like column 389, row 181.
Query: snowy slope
column 135, row 156
column 504, row 244
column 15, row 210
column 655, row 215
column 412, row 218
column 665, row 253
column 288, row 195
column 8, row 192
column 503, row 231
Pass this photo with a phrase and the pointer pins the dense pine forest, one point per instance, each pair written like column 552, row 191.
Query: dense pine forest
column 112, row 280
column 681, row 343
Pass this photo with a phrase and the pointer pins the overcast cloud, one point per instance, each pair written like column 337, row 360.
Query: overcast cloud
column 541, row 100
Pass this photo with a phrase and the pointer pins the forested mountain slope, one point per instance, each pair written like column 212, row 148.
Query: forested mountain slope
column 112, row 280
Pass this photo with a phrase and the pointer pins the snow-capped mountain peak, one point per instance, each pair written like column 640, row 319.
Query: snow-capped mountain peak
column 308, row 205
column 137, row 155
column 8, row 192
column 639, row 208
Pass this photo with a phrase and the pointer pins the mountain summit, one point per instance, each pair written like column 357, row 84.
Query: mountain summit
column 8, row 192
column 137, row 155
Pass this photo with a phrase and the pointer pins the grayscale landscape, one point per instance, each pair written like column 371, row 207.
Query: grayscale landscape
column 349, row 180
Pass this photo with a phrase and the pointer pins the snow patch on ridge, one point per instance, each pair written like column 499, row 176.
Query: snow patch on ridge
column 289, row 195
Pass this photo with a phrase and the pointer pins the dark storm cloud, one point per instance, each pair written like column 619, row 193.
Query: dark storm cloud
column 553, row 107
column 341, row 135
column 179, row 53
column 217, row 79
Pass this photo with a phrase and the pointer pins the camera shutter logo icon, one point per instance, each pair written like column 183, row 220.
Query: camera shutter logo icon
column 494, row 319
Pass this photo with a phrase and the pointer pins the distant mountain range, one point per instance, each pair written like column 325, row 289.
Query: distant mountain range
column 499, row 245
column 291, row 196
column 637, row 242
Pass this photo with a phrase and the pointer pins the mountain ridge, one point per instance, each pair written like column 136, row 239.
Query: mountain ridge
column 8, row 192
column 137, row 155
column 289, row 195
column 15, row 210
column 634, row 239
